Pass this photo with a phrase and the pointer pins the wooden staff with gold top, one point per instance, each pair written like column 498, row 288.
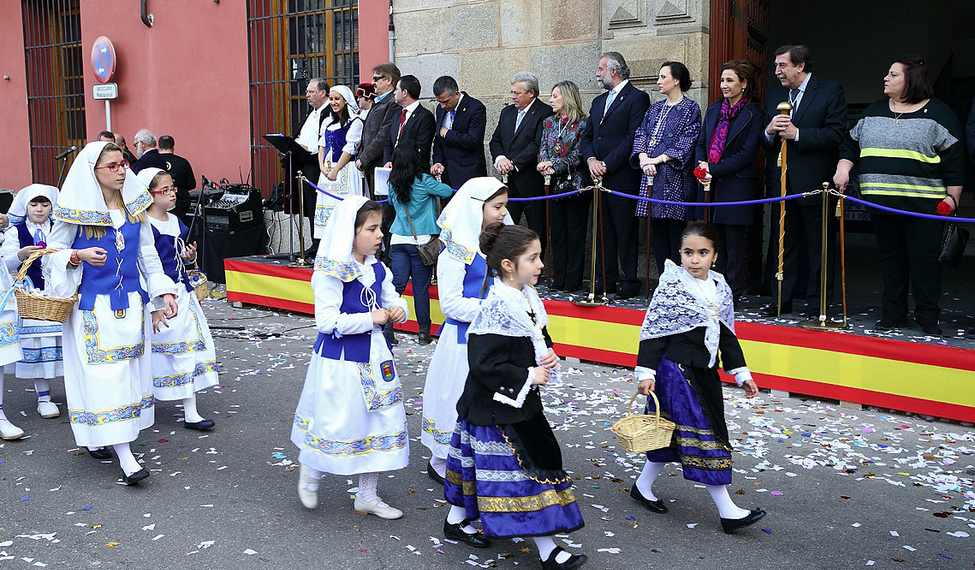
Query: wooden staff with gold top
column 784, row 108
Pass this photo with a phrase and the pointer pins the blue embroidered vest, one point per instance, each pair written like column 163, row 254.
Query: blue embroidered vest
column 120, row 274
column 166, row 246
column 34, row 271
column 353, row 347
column 473, row 281
column 334, row 141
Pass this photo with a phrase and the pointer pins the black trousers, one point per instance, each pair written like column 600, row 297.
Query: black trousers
column 731, row 256
column 534, row 213
column 568, row 218
column 617, row 241
column 665, row 238
column 909, row 250
column 803, row 247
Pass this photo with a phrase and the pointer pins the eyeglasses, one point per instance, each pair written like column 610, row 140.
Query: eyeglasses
column 165, row 191
column 376, row 78
column 114, row 166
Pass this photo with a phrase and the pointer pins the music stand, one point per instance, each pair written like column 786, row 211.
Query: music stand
column 290, row 148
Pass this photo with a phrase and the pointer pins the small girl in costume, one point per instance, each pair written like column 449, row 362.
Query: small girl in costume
column 505, row 465
column 690, row 320
column 350, row 417
column 183, row 357
column 30, row 215
column 10, row 351
column 461, row 268
column 106, row 252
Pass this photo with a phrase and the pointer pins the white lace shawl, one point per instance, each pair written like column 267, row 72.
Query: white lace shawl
column 679, row 305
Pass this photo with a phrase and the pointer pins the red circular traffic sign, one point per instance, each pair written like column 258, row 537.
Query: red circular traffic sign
column 103, row 59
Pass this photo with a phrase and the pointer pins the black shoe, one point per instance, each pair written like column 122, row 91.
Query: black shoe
column 932, row 329
column 731, row 525
column 388, row 331
column 574, row 561
column 625, row 294
column 771, row 310
column 886, row 324
column 433, row 473
column 970, row 333
column 456, row 532
column 657, row 506
column 135, row 477
column 424, row 338
column 199, row 426
column 102, row 453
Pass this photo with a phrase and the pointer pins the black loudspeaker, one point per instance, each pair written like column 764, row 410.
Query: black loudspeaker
column 221, row 245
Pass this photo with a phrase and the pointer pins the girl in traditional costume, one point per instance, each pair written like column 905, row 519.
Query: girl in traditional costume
column 350, row 417
column 461, row 268
column 691, row 319
column 504, row 465
column 183, row 357
column 30, row 216
column 9, row 341
column 340, row 135
column 105, row 250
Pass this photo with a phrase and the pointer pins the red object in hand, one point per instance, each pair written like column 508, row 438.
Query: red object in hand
column 944, row 209
column 700, row 173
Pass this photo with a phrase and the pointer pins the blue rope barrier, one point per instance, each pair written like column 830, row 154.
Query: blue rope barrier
column 939, row 217
column 709, row 204
column 548, row 197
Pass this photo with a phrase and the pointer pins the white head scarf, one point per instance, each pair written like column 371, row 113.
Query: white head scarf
column 461, row 219
column 335, row 250
column 18, row 209
column 146, row 175
column 81, row 200
column 349, row 97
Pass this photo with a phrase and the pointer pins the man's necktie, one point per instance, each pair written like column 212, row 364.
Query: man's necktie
column 450, row 119
column 402, row 121
column 609, row 100
column 521, row 115
column 793, row 99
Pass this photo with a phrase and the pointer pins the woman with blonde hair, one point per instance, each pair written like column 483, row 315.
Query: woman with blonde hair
column 105, row 253
column 559, row 157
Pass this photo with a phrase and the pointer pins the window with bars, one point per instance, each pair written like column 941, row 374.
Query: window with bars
column 55, row 82
column 292, row 41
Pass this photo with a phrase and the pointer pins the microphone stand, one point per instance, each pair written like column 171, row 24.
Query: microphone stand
column 198, row 211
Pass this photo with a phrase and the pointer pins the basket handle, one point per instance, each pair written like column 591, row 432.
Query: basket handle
column 655, row 401
column 30, row 259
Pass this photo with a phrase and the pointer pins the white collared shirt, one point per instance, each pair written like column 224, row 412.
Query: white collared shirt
column 795, row 105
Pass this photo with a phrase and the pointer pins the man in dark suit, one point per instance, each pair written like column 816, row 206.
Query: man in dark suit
column 146, row 151
column 183, row 177
column 375, row 129
column 458, row 147
column 814, row 130
column 414, row 126
column 606, row 144
column 514, row 150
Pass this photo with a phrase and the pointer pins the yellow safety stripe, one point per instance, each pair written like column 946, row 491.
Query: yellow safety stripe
column 908, row 190
column 899, row 153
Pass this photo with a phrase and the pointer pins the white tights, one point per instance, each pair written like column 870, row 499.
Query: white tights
column 727, row 508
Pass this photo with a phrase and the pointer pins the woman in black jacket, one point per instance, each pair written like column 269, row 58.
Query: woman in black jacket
column 726, row 149
column 504, row 464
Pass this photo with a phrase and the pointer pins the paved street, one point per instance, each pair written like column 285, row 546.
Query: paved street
column 843, row 488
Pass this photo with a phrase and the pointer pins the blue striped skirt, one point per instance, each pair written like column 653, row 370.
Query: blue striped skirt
column 485, row 477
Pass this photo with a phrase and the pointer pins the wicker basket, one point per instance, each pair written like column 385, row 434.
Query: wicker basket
column 38, row 306
column 198, row 280
column 638, row 433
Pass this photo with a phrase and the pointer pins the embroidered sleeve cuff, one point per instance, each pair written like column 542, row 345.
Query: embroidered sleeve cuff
column 741, row 375
column 642, row 373
column 506, row 395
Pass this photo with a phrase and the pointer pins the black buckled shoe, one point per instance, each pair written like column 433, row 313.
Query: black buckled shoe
column 100, row 454
column 433, row 473
column 456, row 532
column 135, row 477
column 731, row 525
column 574, row 561
column 657, row 506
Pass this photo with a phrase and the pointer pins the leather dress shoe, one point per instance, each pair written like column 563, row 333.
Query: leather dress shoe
column 886, row 324
column 424, row 338
column 731, row 525
column 199, row 426
column 771, row 310
column 931, row 329
column 433, row 473
column 100, row 454
column 456, row 532
column 574, row 561
column 135, row 477
column 657, row 506
column 625, row 294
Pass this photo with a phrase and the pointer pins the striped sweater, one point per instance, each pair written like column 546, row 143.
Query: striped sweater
column 907, row 161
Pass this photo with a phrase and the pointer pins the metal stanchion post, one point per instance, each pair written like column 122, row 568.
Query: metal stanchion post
column 590, row 300
column 301, row 261
column 823, row 322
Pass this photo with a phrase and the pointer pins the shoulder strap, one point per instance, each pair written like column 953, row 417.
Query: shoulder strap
column 410, row 220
